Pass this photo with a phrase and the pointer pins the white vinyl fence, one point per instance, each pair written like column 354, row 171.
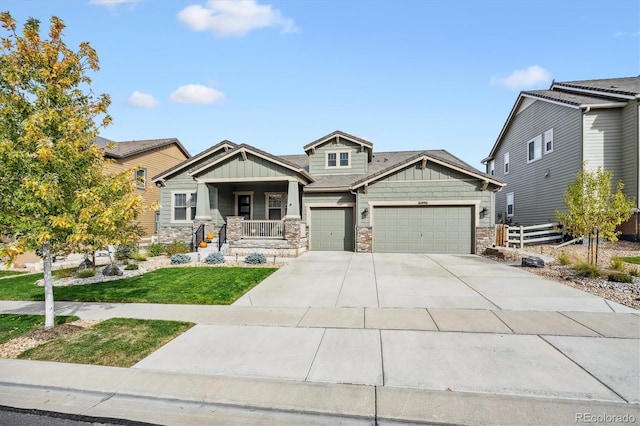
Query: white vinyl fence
column 521, row 235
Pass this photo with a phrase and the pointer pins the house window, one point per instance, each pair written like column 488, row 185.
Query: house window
column 338, row 159
column 548, row 141
column 276, row 206
column 184, row 206
column 534, row 149
column 510, row 204
column 506, row 163
column 492, row 167
column 140, row 177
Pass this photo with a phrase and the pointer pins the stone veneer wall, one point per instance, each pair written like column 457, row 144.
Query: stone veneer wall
column 294, row 244
column 170, row 234
column 485, row 238
column 364, row 239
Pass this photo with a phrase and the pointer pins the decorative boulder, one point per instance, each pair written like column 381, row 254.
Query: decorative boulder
column 111, row 271
column 494, row 252
column 533, row 262
column 85, row 264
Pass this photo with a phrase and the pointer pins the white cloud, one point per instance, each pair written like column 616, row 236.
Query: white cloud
column 142, row 100
column 526, row 78
column 196, row 94
column 234, row 18
column 112, row 3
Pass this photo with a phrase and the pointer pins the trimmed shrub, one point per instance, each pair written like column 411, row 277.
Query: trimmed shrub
column 587, row 270
column 255, row 258
column 214, row 258
column 564, row 259
column 180, row 258
column 155, row 249
column 86, row 273
column 140, row 257
column 124, row 251
column 617, row 264
column 176, row 247
column 620, row 278
column 634, row 272
column 131, row 267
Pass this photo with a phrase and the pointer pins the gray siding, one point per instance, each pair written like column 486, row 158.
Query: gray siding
column 603, row 140
column 253, row 167
column 433, row 183
column 325, row 198
column 630, row 146
column 317, row 160
column 539, row 186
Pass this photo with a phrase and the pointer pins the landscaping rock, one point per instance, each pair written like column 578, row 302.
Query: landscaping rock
column 533, row 262
column 85, row 264
column 111, row 271
column 494, row 252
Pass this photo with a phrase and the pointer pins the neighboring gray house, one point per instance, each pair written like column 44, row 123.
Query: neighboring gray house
column 550, row 134
column 339, row 195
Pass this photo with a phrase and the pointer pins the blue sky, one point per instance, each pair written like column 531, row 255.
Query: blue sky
column 405, row 75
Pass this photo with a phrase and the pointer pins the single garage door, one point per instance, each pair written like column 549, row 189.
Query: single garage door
column 433, row 229
column 332, row 229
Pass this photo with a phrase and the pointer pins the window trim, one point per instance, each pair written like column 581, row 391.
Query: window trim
column 506, row 163
column 337, row 154
column 283, row 207
column 492, row 167
column 539, row 151
column 511, row 197
column 143, row 184
column 548, row 135
column 188, row 195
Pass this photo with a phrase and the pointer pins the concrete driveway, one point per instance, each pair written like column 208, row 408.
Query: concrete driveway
column 345, row 279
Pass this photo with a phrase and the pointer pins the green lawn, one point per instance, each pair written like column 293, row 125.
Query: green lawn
column 10, row 273
column 632, row 259
column 185, row 285
column 118, row 342
column 14, row 325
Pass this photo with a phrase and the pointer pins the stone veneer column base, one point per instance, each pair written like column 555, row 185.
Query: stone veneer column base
column 364, row 239
column 485, row 238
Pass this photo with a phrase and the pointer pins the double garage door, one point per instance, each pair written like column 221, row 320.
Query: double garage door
column 432, row 229
column 429, row 229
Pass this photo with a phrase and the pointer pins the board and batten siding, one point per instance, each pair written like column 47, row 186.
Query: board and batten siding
column 539, row 186
column 630, row 147
column 252, row 167
column 317, row 160
column 155, row 161
column 434, row 183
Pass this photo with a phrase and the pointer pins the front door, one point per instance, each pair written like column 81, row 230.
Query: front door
column 244, row 206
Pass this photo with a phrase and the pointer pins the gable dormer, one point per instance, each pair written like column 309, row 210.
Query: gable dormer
column 339, row 153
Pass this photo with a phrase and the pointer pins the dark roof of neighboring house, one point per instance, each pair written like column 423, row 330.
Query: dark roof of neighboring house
column 194, row 159
column 608, row 92
column 125, row 149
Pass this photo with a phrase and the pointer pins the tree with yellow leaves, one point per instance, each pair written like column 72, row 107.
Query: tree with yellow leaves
column 54, row 194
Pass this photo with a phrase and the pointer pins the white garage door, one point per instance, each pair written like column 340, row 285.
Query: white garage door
column 432, row 229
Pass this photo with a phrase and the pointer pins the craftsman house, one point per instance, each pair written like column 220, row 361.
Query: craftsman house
column 338, row 195
column 550, row 134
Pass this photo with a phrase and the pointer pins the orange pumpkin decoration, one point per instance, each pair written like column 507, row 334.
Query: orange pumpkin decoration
column 203, row 244
column 209, row 236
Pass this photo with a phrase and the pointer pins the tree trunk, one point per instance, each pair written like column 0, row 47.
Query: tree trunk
column 49, row 314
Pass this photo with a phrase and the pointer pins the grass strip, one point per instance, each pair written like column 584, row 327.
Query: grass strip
column 117, row 342
column 15, row 325
column 184, row 285
column 10, row 273
column 631, row 259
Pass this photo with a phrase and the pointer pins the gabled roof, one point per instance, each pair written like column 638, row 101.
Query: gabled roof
column 225, row 145
column 243, row 149
column 602, row 93
column 126, row 149
column 439, row 156
column 338, row 133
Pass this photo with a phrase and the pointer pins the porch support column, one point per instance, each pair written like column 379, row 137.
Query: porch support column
column 293, row 201
column 202, row 204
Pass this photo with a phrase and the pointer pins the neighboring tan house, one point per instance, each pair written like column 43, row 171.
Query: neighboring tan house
column 338, row 195
column 550, row 134
column 152, row 157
